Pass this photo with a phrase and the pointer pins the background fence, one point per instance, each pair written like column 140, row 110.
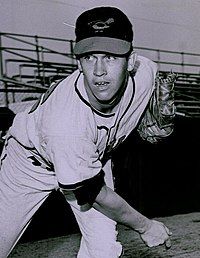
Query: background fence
column 29, row 63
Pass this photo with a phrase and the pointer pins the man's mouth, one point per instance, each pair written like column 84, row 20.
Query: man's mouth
column 102, row 85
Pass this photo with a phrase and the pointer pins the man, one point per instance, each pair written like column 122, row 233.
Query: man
column 64, row 141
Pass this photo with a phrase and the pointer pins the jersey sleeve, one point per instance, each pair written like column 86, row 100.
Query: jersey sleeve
column 75, row 160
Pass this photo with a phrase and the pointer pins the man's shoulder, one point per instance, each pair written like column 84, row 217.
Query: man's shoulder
column 61, row 89
column 70, row 78
column 144, row 64
column 145, row 73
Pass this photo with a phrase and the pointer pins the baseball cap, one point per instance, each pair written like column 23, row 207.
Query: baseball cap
column 103, row 29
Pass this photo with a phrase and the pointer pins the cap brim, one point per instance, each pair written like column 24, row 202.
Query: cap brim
column 102, row 44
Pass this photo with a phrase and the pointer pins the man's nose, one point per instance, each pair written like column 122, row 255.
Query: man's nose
column 100, row 68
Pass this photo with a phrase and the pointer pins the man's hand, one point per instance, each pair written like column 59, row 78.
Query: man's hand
column 152, row 232
column 157, row 234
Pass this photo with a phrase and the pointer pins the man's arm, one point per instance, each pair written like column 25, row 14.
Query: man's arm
column 93, row 192
column 152, row 232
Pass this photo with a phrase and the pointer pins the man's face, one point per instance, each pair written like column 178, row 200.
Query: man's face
column 104, row 76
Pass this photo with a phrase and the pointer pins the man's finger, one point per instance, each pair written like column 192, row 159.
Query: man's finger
column 167, row 230
column 168, row 243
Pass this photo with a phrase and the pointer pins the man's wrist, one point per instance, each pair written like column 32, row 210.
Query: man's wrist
column 145, row 226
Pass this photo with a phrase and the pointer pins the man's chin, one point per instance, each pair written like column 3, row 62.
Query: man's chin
column 111, row 102
column 104, row 101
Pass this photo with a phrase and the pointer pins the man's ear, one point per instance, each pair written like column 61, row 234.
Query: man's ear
column 131, row 61
column 79, row 65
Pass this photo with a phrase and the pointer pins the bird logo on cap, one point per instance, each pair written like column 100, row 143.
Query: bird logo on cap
column 99, row 26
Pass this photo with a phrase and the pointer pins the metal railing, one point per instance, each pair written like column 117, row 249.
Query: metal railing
column 28, row 64
column 166, row 60
column 34, row 54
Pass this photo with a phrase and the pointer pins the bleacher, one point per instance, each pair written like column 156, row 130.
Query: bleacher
column 30, row 63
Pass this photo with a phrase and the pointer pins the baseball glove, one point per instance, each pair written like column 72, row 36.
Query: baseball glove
column 157, row 121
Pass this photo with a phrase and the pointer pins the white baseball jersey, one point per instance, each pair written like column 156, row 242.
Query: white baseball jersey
column 65, row 134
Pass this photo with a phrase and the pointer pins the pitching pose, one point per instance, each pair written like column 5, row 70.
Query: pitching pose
column 65, row 140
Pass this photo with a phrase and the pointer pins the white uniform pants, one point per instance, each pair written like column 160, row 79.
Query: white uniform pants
column 23, row 189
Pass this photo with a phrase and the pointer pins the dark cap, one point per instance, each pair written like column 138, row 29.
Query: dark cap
column 103, row 29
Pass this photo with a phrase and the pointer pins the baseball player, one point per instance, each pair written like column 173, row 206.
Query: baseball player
column 65, row 141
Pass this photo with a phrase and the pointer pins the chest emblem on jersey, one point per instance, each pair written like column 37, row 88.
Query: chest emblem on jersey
column 37, row 163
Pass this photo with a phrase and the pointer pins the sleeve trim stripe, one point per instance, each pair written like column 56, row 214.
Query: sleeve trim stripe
column 82, row 183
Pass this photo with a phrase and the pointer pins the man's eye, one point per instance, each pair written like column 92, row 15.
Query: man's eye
column 88, row 58
column 110, row 58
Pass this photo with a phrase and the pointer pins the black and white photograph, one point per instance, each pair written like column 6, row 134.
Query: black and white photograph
column 99, row 128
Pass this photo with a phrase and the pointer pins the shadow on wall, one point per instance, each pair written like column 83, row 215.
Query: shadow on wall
column 161, row 179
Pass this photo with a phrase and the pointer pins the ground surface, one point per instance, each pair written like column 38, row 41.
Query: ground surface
column 185, row 242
